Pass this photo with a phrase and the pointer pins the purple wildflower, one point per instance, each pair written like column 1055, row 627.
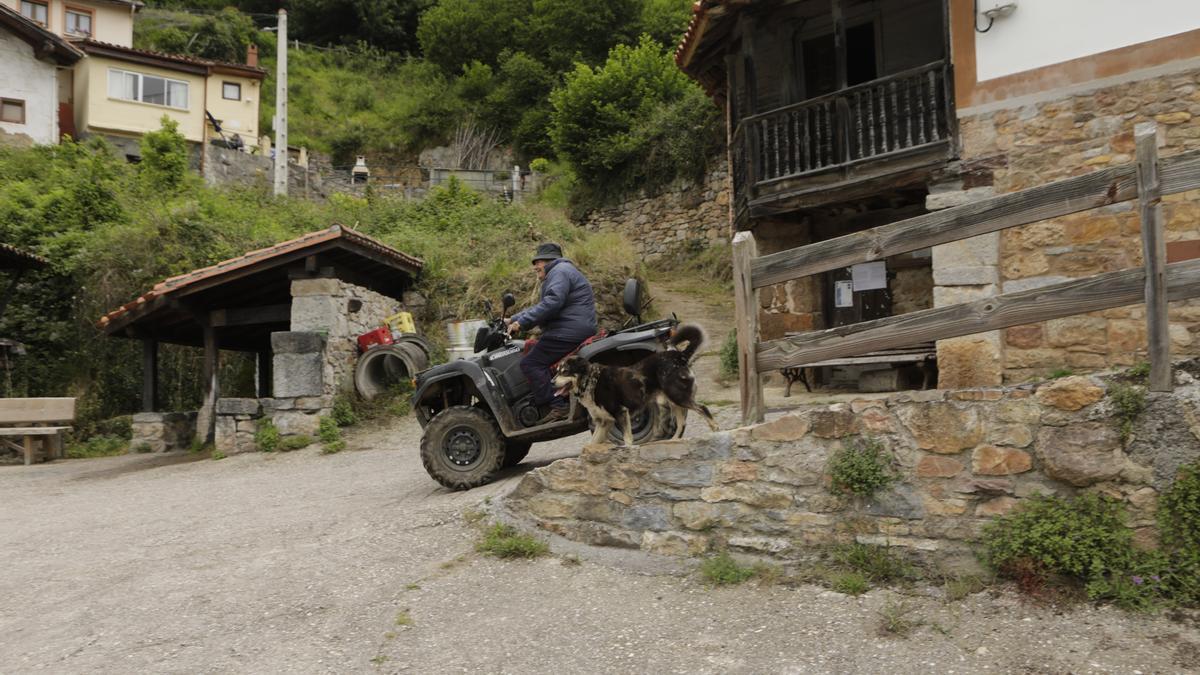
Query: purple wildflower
column 1137, row 581
column 1155, row 578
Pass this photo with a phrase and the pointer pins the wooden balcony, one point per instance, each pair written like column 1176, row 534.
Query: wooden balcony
column 808, row 152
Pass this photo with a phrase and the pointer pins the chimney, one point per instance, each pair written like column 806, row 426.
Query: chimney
column 252, row 55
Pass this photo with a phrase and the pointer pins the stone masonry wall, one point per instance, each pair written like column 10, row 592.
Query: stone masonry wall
column 963, row 457
column 163, row 431
column 1051, row 140
column 342, row 311
column 659, row 223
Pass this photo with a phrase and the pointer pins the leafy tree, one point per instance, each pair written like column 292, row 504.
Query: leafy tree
column 666, row 20
column 164, row 157
column 565, row 31
column 455, row 33
column 223, row 36
column 612, row 122
column 390, row 24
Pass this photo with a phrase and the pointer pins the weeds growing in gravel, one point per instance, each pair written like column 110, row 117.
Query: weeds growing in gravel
column 217, row 454
column 266, row 436
column 896, row 618
column 877, row 563
column 403, row 618
column 503, row 541
column 290, row 443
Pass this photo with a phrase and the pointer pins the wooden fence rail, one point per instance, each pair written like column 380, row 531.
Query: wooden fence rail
column 1147, row 181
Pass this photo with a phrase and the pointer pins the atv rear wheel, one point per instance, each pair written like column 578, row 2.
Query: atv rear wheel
column 652, row 423
column 462, row 448
column 515, row 451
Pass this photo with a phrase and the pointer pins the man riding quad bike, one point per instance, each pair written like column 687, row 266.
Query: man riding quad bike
column 479, row 414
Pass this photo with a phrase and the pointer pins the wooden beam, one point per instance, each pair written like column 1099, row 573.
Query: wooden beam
column 745, row 302
column 149, row 375
column 206, row 419
column 1103, row 291
column 1060, row 198
column 1154, row 252
column 251, row 316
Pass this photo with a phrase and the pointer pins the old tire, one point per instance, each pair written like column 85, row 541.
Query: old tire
column 514, row 452
column 462, row 448
column 653, row 423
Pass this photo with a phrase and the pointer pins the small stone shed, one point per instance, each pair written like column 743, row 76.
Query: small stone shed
column 298, row 306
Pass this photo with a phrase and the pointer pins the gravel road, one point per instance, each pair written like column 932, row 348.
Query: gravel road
column 301, row 562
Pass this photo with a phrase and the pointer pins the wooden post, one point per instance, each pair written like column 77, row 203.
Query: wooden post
column 149, row 375
column 745, row 302
column 206, row 419
column 1154, row 250
column 28, row 446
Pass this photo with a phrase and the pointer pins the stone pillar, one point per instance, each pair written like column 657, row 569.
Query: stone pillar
column 964, row 271
column 298, row 382
column 237, row 420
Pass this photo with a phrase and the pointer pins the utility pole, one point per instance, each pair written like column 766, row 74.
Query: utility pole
column 281, row 144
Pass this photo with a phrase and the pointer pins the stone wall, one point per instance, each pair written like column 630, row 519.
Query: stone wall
column 341, row 312
column 161, row 432
column 659, row 223
column 1054, row 139
column 224, row 166
column 237, row 420
column 962, row 458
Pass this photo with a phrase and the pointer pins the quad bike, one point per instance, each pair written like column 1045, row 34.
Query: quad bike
column 478, row 414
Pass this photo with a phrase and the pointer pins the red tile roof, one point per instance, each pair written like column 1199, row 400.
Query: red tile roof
column 337, row 232
column 44, row 43
column 107, row 48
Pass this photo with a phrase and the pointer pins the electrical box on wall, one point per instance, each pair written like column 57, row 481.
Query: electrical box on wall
column 995, row 10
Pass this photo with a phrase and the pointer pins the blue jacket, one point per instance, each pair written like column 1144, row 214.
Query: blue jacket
column 567, row 309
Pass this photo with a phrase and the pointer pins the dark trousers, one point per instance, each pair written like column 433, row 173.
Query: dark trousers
column 536, row 366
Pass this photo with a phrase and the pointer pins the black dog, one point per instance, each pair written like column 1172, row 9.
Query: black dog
column 664, row 378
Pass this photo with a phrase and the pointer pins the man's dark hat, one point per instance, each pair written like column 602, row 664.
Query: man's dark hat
column 547, row 251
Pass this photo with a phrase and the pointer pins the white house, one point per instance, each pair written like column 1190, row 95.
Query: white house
column 35, row 66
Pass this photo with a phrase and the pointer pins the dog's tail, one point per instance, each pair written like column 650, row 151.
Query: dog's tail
column 691, row 337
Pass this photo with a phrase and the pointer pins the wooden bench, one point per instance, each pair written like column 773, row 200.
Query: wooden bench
column 924, row 355
column 36, row 421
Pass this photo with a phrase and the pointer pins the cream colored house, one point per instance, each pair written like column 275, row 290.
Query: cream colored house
column 120, row 93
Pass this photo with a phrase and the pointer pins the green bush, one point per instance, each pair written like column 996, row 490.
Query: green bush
column 877, row 563
column 266, row 436
column 164, row 165
column 328, row 430
column 1128, row 402
column 333, row 448
column 722, row 570
column 861, row 467
column 1179, row 527
column 636, row 121
column 290, row 443
column 851, row 583
column 343, row 411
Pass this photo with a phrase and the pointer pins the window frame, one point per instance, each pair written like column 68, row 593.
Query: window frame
column 73, row 9
column 226, row 83
column 141, row 89
column 13, row 101
column 45, row 7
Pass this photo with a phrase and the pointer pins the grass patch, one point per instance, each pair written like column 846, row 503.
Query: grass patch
column 1128, row 402
column 1140, row 371
column 503, row 541
column 851, row 583
column 412, row 587
column 728, row 357
column 955, row 589
column 1060, row 372
column 861, row 467
column 333, row 448
column 217, row 454
column 330, row 435
column 723, row 570
column 98, row 446
column 403, row 618
column 290, row 443
column 877, row 563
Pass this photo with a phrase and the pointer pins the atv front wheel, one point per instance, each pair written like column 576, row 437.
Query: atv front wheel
column 462, row 448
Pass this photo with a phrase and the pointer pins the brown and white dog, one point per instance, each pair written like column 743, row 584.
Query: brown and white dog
column 664, row 379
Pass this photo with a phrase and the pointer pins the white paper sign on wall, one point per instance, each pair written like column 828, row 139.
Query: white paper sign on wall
column 843, row 294
column 869, row 276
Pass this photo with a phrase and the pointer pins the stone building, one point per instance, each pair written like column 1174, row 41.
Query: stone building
column 298, row 306
column 844, row 115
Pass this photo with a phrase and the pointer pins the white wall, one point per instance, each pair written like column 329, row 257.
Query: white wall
column 33, row 81
column 1043, row 32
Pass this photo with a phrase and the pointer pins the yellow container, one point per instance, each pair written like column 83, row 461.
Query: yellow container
column 401, row 322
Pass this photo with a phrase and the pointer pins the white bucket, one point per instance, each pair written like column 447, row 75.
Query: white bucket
column 459, row 353
column 462, row 336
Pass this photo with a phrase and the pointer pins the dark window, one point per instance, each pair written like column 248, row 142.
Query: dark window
column 860, row 54
column 819, row 56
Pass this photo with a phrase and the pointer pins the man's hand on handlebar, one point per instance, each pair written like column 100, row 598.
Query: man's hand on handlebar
column 513, row 327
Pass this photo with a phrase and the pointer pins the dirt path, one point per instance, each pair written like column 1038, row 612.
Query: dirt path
column 301, row 562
